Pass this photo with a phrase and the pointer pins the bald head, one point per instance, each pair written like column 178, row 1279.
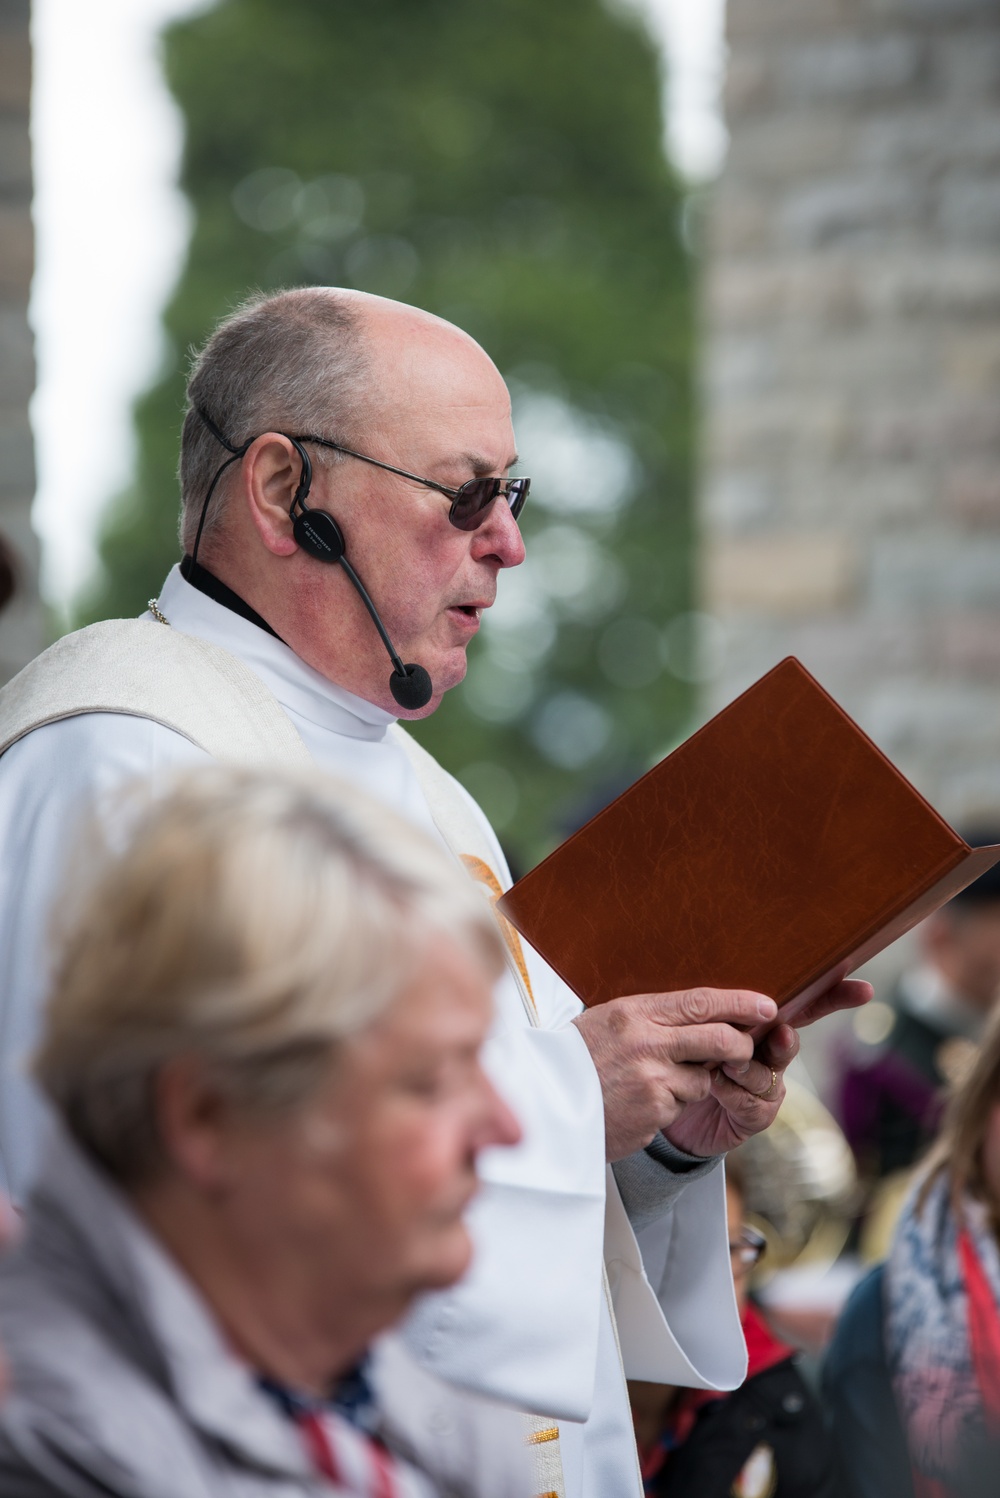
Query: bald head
column 336, row 363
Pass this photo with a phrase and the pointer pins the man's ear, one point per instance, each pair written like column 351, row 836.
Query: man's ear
column 269, row 476
column 192, row 1117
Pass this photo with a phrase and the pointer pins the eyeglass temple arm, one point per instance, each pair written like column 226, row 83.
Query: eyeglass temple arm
column 377, row 463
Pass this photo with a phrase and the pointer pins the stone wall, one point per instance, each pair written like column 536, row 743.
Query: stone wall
column 21, row 623
column 850, row 503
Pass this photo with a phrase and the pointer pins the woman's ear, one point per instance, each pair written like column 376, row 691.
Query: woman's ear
column 192, row 1116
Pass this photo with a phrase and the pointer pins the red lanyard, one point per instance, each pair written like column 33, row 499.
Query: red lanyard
column 321, row 1438
column 984, row 1329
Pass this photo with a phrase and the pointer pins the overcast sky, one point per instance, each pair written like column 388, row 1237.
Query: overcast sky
column 111, row 228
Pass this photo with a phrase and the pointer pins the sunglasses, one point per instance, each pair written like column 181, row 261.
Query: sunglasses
column 470, row 505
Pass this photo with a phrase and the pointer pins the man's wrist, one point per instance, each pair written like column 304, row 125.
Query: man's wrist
column 677, row 1161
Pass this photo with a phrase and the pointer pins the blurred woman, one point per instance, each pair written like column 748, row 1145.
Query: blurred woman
column 262, row 1047
column 942, row 1291
column 766, row 1439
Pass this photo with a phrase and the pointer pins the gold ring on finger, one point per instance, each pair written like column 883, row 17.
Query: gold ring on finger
column 771, row 1090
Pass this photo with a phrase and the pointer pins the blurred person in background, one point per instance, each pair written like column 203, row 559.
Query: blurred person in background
column 330, row 426
column 262, row 1045
column 895, row 1071
column 858, row 1398
column 942, row 1297
column 765, row 1440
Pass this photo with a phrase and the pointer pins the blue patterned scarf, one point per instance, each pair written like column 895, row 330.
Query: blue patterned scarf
column 931, row 1359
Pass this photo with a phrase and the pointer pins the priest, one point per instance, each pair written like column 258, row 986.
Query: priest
column 347, row 512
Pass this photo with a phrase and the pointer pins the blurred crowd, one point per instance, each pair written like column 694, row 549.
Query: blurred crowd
column 891, row 1389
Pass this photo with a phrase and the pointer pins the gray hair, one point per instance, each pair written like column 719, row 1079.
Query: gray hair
column 292, row 362
column 252, row 919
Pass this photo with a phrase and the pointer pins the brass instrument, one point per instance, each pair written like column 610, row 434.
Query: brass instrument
column 801, row 1183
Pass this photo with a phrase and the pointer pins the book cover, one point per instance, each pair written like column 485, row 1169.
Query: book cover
column 777, row 849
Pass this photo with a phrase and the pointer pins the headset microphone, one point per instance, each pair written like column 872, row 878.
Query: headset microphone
column 320, row 536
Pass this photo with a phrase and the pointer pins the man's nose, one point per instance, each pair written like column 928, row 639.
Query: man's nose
column 499, row 536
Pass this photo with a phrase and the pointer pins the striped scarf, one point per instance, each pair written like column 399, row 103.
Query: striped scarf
column 339, row 1438
column 943, row 1335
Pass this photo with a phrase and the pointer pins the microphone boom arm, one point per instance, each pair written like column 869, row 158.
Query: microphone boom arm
column 363, row 592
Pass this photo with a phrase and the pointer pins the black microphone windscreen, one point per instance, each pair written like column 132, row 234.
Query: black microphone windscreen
column 411, row 687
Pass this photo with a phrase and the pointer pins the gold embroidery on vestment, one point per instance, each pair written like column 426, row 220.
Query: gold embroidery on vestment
column 551, row 1433
column 483, row 874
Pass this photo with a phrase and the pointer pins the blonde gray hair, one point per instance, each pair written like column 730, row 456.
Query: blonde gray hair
column 253, row 919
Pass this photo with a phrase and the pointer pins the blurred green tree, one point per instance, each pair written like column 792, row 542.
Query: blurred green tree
column 500, row 164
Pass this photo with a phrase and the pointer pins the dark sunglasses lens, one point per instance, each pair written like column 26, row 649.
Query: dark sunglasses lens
column 469, row 509
column 476, row 497
column 517, row 493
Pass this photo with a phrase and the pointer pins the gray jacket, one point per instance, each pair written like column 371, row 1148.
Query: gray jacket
column 121, row 1381
column 122, row 1385
column 123, row 1388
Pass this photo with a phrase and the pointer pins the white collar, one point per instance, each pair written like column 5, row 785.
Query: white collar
column 297, row 686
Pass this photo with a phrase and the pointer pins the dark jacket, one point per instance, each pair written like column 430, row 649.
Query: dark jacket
column 774, row 1409
column 857, row 1394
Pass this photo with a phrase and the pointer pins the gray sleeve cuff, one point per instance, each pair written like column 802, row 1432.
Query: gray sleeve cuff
column 651, row 1180
column 668, row 1155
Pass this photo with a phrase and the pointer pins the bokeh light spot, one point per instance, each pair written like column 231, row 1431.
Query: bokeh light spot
column 570, row 730
column 694, row 647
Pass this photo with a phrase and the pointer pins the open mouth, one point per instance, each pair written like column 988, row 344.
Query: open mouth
column 469, row 612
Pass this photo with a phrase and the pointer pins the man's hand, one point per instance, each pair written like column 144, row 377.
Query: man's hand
column 676, row 1062
column 655, row 1054
column 741, row 1100
column 744, row 1101
column 852, row 993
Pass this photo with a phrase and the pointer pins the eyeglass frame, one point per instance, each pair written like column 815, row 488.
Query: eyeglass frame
column 504, row 487
column 750, row 1241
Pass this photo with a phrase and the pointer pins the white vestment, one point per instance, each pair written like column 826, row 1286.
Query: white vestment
column 530, row 1324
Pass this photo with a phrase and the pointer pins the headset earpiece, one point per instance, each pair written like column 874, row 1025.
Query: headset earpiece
column 305, row 477
column 315, row 531
column 319, row 535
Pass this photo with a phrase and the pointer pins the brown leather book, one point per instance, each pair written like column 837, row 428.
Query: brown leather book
column 777, row 850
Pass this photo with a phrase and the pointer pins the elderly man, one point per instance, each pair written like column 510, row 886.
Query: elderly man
column 262, row 1043
column 343, row 469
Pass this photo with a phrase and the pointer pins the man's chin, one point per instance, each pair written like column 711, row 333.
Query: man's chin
column 449, row 669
